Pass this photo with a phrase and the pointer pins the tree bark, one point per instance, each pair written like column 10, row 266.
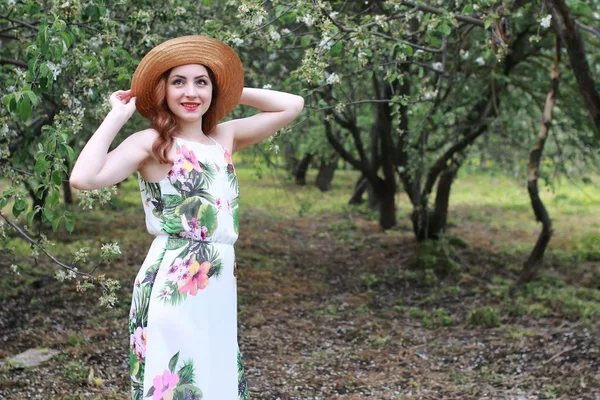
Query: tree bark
column 359, row 190
column 302, row 168
column 327, row 169
column 564, row 25
column 541, row 214
column 67, row 192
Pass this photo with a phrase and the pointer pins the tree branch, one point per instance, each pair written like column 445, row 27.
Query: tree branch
column 42, row 248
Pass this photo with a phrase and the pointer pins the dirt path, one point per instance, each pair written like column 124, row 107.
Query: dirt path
column 323, row 314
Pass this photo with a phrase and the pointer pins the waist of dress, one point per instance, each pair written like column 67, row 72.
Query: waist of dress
column 208, row 242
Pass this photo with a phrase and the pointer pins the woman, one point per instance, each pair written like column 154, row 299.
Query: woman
column 183, row 319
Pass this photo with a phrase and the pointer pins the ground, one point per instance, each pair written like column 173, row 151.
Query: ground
column 330, row 307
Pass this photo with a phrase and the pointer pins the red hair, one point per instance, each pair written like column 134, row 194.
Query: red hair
column 165, row 123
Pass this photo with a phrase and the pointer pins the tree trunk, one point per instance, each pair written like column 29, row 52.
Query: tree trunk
column 564, row 25
column 359, row 190
column 541, row 214
column 289, row 155
column 386, row 196
column 67, row 192
column 302, row 168
column 326, row 172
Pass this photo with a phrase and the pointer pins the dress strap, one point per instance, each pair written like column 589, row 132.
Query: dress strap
column 217, row 143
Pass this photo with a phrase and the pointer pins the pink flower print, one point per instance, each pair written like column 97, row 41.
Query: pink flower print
column 197, row 278
column 138, row 342
column 132, row 314
column 218, row 202
column 166, row 293
column 229, row 162
column 192, row 230
column 164, row 386
column 189, row 160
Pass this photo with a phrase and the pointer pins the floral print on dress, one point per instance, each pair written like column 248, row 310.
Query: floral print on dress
column 171, row 385
column 196, row 207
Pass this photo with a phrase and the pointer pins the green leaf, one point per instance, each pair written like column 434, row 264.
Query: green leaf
column 3, row 202
column 30, row 216
column 207, row 216
column 56, row 177
column 19, row 206
column 53, row 198
column 55, row 223
column 173, row 363
column 69, row 224
column 487, row 23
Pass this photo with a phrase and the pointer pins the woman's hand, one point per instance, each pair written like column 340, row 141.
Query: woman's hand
column 123, row 103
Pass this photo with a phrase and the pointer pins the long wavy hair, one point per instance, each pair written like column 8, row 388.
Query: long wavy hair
column 164, row 120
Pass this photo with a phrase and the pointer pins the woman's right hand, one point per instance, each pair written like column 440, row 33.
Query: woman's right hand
column 123, row 103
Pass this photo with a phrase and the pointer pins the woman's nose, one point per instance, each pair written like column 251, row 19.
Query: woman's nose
column 190, row 90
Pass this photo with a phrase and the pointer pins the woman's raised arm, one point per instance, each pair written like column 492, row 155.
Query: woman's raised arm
column 95, row 167
column 278, row 110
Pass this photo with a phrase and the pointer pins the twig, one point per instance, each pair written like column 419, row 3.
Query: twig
column 42, row 248
column 559, row 354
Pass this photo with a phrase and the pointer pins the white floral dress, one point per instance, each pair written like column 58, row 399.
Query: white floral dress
column 183, row 319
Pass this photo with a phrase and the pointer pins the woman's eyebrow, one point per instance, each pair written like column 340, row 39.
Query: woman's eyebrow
column 183, row 77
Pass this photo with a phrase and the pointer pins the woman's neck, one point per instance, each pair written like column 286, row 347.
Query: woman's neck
column 190, row 130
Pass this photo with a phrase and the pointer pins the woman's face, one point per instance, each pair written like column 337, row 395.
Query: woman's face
column 189, row 92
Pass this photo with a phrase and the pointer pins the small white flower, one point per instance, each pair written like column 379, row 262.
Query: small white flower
column 475, row 7
column 258, row 19
column 15, row 269
column 480, row 61
column 325, row 43
column 267, row 86
column 545, row 22
column 285, row 31
column 437, row 66
column 237, row 41
column 11, row 2
column 464, row 53
column 333, row 14
column 596, row 15
column 274, row 35
column 307, row 19
column 333, row 78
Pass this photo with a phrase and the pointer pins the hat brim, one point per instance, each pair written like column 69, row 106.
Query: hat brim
column 212, row 53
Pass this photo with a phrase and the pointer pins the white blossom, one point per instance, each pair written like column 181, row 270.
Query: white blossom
column 464, row 53
column 267, row 86
column 274, row 35
column 258, row 19
column 325, row 43
column 596, row 15
column 237, row 41
column 333, row 14
column 480, row 61
column 15, row 269
column 545, row 22
column 307, row 19
column 475, row 7
column 55, row 69
column 333, row 78
column 437, row 66
column 285, row 31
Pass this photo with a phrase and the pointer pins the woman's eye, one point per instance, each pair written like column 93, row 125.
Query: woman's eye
column 177, row 82
column 201, row 82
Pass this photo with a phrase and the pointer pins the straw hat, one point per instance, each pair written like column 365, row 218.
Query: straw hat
column 212, row 53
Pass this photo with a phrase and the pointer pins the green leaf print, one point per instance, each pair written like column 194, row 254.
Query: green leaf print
column 186, row 373
column 207, row 216
column 235, row 214
column 174, row 243
column 216, row 264
column 187, row 392
column 134, row 363
column 189, row 207
column 173, row 362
